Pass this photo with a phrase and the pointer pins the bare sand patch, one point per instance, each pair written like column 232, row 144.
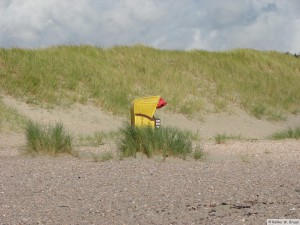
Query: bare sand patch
column 78, row 119
column 236, row 123
column 225, row 188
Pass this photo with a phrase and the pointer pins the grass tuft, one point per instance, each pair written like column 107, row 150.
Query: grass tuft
column 50, row 140
column 198, row 153
column 164, row 141
column 222, row 138
column 288, row 134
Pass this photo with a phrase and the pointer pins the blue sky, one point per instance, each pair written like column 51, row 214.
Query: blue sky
column 214, row 25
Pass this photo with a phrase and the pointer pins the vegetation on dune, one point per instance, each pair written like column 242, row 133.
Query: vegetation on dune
column 48, row 140
column 10, row 119
column 198, row 153
column 164, row 141
column 53, row 140
column 287, row 134
column 95, row 139
column 222, row 138
column 265, row 84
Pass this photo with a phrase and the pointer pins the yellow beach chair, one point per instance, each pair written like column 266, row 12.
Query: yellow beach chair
column 143, row 109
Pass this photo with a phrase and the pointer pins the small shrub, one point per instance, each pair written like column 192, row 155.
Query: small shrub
column 49, row 140
column 164, row 141
column 288, row 134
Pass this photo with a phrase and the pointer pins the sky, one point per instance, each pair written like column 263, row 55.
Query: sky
column 213, row 25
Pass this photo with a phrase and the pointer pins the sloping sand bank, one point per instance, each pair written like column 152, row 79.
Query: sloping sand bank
column 87, row 119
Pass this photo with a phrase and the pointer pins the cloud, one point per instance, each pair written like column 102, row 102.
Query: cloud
column 169, row 24
column 264, row 25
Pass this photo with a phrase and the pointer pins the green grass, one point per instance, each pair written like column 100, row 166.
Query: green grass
column 264, row 83
column 48, row 140
column 96, row 139
column 222, row 138
column 198, row 153
column 287, row 134
column 164, row 141
column 10, row 119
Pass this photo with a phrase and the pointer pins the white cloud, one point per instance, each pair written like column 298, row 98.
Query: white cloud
column 168, row 24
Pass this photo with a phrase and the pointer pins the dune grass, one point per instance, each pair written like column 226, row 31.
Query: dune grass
column 287, row 134
column 222, row 138
column 91, row 140
column 265, row 84
column 47, row 140
column 10, row 119
column 96, row 139
column 165, row 141
column 198, row 153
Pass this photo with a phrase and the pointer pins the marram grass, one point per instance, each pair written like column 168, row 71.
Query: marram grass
column 222, row 138
column 287, row 134
column 165, row 141
column 264, row 83
column 47, row 140
column 10, row 119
